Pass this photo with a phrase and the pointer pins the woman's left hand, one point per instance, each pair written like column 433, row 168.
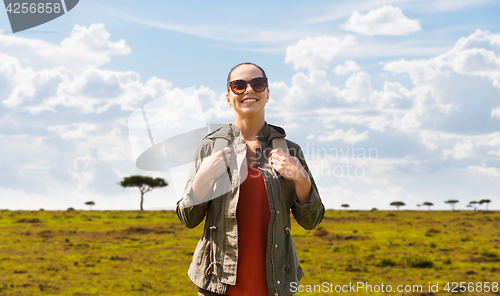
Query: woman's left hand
column 288, row 166
column 291, row 168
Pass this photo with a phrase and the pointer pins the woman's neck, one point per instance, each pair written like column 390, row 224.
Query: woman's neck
column 250, row 127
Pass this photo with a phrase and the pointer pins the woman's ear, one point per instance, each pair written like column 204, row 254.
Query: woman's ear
column 228, row 99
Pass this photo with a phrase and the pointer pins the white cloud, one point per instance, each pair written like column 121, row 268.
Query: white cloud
column 312, row 95
column 497, row 153
column 489, row 172
column 475, row 55
column 346, row 68
column 306, row 92
column 350, row 136
column 90, row 91
column 450, row 5
column 215, row 108
column 441, row 122
column 85, row 47
column 460, row 150
column 358, row 88
column 94, row 39
column 387, row 20
column 495, row 112
column 316, row 52
column 73, row 131
column 452, row 87
column 74, row 92
column 461, row 146
column 429, row 139
column 83, row 171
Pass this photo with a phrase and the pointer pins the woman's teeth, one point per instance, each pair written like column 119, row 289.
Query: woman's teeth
column 249, row 100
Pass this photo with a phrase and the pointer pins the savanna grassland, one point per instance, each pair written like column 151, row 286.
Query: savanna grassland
column 149, row 252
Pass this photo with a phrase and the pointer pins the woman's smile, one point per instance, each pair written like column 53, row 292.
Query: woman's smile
column 249, row 100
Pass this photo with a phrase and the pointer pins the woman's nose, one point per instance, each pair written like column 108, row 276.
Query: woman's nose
column 249, row 88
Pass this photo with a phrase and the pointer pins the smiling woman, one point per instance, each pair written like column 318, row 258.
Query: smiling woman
column 246, row 247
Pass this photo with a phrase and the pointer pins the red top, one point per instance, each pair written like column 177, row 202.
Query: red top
column 253, row 218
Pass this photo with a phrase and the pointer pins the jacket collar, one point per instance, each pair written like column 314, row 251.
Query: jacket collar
column 231, row 131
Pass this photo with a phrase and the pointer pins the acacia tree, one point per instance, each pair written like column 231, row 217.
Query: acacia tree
column 473, row 204
column 452, row 202
column 429, row 204
column 486, row 201
column 398, row 204
column 345, row 205
column 90, row 203
column 144, row 183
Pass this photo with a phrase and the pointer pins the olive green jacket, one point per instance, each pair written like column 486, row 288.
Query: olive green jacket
column 215, row 260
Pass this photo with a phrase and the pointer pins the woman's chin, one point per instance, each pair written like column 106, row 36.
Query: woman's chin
column 249, row 112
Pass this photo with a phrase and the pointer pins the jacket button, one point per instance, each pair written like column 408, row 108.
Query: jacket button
column 287, row 230
column 278, row 282
column 278, row 212
column 213, row 228
column 276, row 246
column 287, row 269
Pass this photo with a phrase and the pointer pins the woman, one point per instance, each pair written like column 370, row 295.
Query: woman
column 246, row 247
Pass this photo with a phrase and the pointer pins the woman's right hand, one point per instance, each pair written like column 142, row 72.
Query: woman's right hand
column 211, row 168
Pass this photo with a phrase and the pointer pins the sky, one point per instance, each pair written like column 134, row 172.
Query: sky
column 390, row 100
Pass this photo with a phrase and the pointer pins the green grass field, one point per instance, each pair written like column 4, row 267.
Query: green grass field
column 149, row 252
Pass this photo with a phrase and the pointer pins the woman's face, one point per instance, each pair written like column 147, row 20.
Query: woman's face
column 250, row 103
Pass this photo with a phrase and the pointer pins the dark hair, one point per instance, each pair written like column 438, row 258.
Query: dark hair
column 246, row 63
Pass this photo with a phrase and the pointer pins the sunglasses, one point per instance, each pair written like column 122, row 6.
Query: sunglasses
column 239, row 86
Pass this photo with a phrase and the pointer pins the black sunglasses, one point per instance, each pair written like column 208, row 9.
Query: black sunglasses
column 239, row 86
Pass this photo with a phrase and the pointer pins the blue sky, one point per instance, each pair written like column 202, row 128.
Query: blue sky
column 416, row 81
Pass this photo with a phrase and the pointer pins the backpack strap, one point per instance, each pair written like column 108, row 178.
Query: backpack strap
column 220, row 144
column 280, row 143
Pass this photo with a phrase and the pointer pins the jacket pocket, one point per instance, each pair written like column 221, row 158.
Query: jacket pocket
column 199, row 263
column 200, row 252
column 215, row 237
column 296, row 272
column 292, row 270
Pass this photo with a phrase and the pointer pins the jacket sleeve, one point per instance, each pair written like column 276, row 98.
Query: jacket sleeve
column 308, row 215
column 190, row 212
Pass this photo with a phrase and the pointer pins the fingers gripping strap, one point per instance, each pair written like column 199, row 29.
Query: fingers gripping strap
column 280, row 143
column 219, row 145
